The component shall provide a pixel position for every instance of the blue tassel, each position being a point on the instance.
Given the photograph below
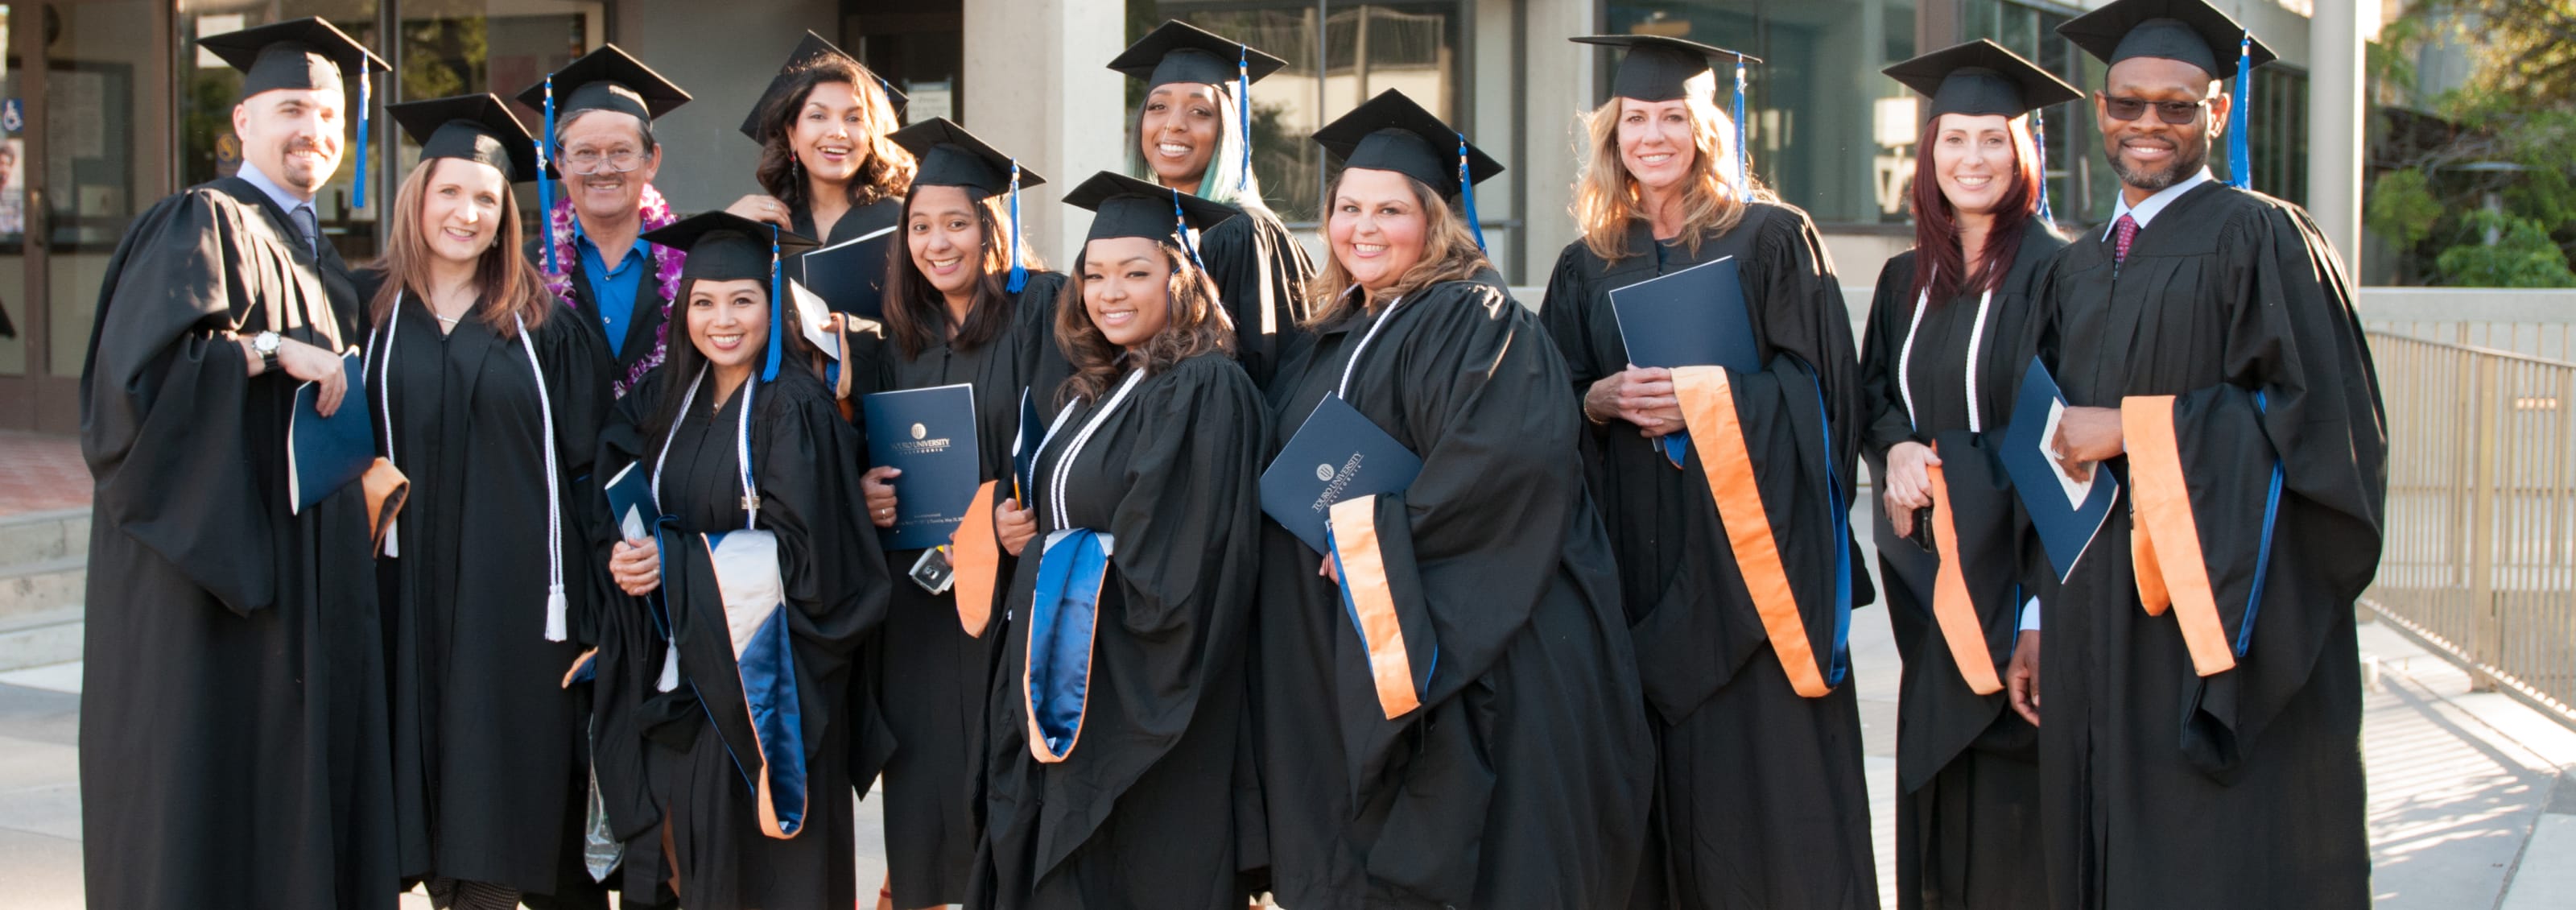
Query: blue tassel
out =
(2240, 152)
(358, 195)
(546, 184)
(1019, 269)
(1243, 111)
(2039, 151)
(777, 310)
(1181, 229)
(1467, 192)
(1743, 171)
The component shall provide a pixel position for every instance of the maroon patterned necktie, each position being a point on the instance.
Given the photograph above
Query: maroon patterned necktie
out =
(2122, 231)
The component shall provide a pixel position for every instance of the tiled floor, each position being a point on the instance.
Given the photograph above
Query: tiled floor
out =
(40, 472)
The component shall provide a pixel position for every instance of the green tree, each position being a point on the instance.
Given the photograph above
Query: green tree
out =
(2508, 134)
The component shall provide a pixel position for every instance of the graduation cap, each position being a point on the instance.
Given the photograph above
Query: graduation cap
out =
(606, 79)
(723, 246)
(302, 54)
(2191, 31)
(810, 51)
(1391, 133)
(1124, 206)
(1982, 77)
(1661, 69)
(477, 128)
(1177, 51)
(951, 156)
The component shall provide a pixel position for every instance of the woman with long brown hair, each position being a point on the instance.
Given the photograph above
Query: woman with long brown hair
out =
(1953, 324)
(1110, 762)
(829, 168)
(769, 584)
(489, 396)
(1725, 495)
(966, 302)
(1448, 700)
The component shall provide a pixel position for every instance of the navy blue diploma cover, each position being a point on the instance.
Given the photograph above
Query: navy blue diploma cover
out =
(2067, 514)
(1693, 317)
(630, 502)
(324, 454)
(1338, 453)
(929, 435)
(850, 276)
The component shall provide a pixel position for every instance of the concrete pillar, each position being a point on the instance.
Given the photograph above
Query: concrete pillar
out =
(1037, 85)
(1561, 85)
(2336, 92)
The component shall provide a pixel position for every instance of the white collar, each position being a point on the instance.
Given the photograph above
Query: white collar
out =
(2145, 211)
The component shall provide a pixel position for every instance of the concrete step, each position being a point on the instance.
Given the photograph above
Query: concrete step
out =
(43, 585)
(40, 638)
(39, 536)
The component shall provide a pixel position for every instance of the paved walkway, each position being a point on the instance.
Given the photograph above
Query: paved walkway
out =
(2472, 795)
(39, 472)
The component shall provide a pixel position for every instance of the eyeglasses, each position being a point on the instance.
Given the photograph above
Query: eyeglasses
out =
(592, 161)
(2174, 112)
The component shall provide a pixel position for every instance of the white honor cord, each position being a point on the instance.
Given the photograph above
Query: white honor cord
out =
(385, 410)
(1343, 391)
(556, 623)
(1905, 357)
(1072, 450)
(741, 445)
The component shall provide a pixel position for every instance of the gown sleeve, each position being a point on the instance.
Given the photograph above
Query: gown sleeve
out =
(1882, 401)
(835, 577)
(576, 371)
(1260, 272)
(1439, 577)
(1566, 310)
(164, 397)
(2261, 497)
(628, 637)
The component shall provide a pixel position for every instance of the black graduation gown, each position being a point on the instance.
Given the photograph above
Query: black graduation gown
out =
(1523, 777)
(643, 325)
(1967, 810)
(491, 768)
(934, 675)
(1781, 820)
(1260, 272)
(698, 779)
(1137, 815)
(233, 732)
(2247, 780)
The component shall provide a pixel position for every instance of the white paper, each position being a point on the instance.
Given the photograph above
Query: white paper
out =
(2076, 490)
(816, 317)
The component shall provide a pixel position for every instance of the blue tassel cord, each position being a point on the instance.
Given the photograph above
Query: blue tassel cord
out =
(1019, 269)
(545, 182)
(1243, 111)
(358, 194)
(1467, 194)
(777, 309)
(2240, 152)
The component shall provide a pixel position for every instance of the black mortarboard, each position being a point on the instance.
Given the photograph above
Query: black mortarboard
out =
(2187, 30)
(1391, 133)
(1124, 206)
(605, 79)
(1981, 77)
(723, 246)
(1180, 52)
(1659, 68)
(305, 53)
(809, 51)
(473, 127)
(951, 156)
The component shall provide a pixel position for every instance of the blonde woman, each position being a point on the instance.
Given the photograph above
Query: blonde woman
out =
(1448, 702)
(1738, 613)
(489, 394)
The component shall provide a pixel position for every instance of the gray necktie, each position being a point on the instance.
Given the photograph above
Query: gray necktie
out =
(306, 222)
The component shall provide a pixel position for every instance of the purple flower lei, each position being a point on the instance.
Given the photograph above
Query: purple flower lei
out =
(666, 272)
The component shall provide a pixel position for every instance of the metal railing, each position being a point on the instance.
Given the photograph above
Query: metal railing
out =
(2479, 561)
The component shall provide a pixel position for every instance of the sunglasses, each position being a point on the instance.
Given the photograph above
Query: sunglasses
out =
(2174, 112)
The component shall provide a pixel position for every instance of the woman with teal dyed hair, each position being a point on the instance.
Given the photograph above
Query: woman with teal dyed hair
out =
(1192, 135)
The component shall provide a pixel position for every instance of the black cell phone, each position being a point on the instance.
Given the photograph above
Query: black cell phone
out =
(1922, 534)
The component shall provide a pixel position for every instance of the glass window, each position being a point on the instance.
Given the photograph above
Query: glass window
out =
(2073, 144)
(1826, 130)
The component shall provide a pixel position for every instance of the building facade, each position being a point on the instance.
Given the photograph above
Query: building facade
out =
(109, 106)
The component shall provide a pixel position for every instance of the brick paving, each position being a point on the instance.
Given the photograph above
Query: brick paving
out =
(41, 472)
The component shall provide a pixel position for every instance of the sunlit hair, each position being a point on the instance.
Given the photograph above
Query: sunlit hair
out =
(1449, 253)
(916, 314)
(1196, 325)
(1940, 266)
(1607, 198)
(681, 364)
(887, 172)
(505, 283)
(1224, 170)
